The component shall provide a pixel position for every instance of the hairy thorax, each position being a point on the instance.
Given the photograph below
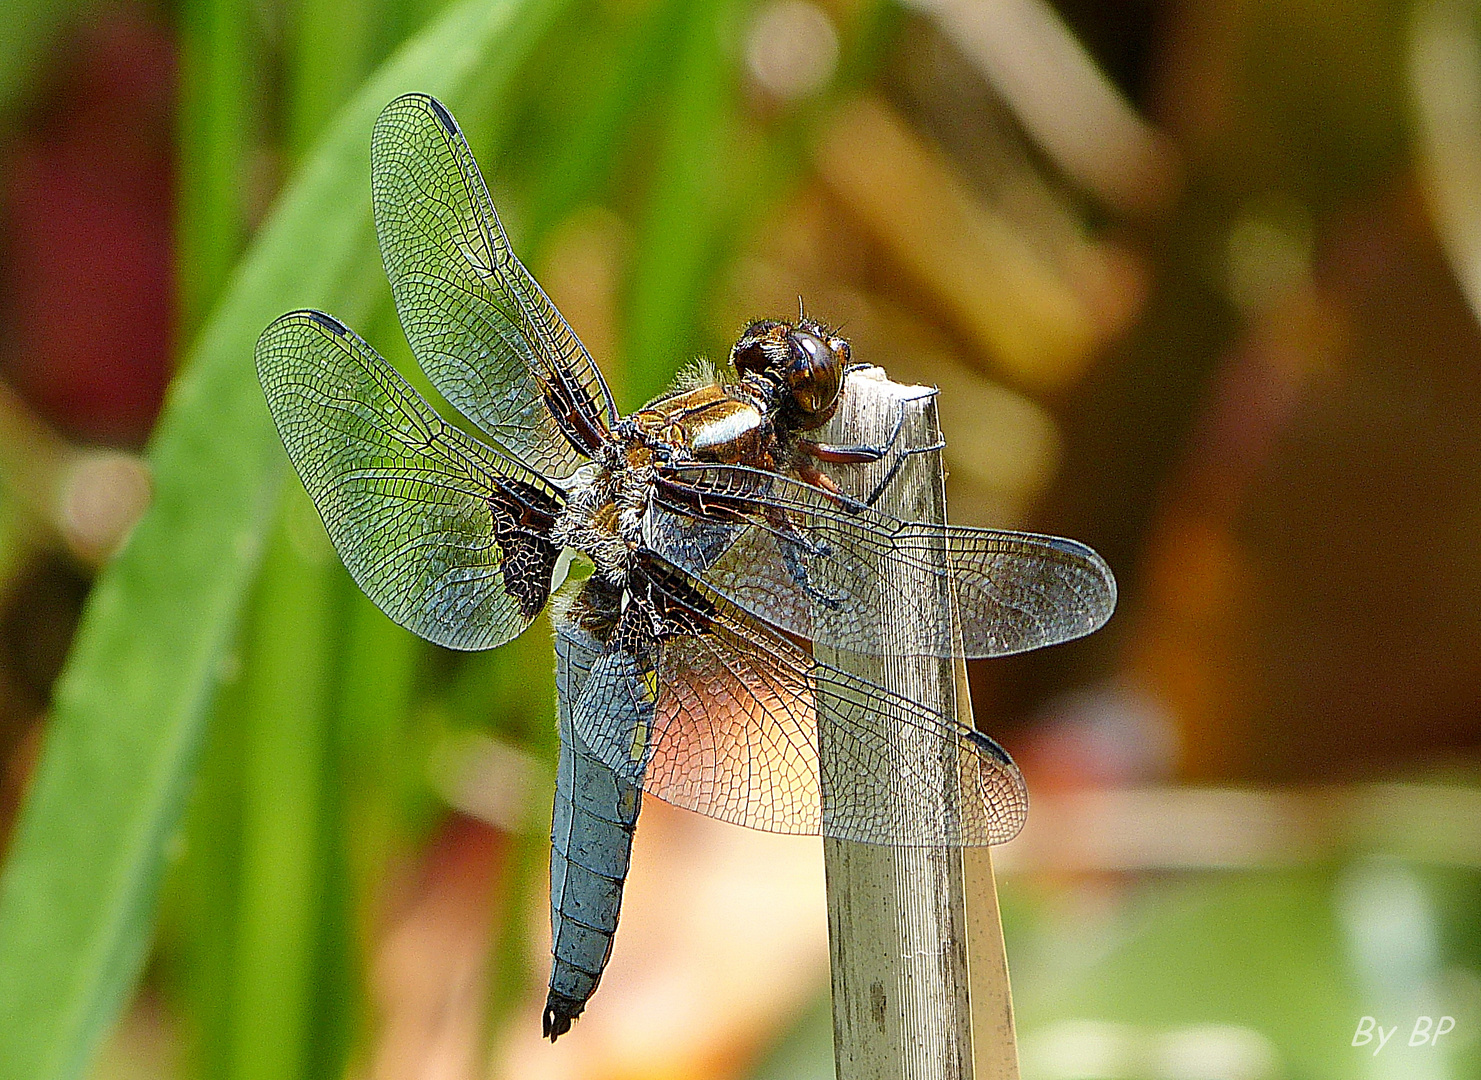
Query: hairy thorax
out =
(713, 422)
(609, 498)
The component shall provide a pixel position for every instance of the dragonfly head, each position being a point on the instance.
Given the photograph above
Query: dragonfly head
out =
(802, 363)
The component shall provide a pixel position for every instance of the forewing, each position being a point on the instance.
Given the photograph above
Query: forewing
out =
(447, 536)
(824, 566)
(734, 735)
(481, 327)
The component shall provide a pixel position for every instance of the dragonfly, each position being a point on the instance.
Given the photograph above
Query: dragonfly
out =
(718, 546)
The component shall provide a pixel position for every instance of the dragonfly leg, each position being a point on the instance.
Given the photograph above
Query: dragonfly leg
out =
(793, 547)
(862, 454)
(856, 454)
(900, 459)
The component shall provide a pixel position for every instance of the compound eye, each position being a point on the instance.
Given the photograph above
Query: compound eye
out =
(813, 374)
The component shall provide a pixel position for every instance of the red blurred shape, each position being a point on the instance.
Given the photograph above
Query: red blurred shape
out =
(86, 275)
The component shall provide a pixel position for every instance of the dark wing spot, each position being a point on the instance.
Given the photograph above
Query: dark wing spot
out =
(681, 608)
(334, 326)
(444, 117)
(523, 518)
(989, 747)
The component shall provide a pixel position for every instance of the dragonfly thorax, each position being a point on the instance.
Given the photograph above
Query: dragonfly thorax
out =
(603, 515)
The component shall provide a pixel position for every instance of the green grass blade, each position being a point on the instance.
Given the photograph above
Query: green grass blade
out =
(199, 928)
(676, 246)
(292, 645)
(622, 89)
(332, 40)
(215, 94)
(78, 894)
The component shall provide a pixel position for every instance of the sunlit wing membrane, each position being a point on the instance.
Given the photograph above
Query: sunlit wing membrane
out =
(447, 536)
(734, 735)
(482, 329)
(838, 572)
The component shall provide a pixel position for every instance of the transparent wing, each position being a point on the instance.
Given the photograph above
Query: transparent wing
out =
(824, 567)
(722, 716)
(482, 329)
(575, 653)
(447, 537)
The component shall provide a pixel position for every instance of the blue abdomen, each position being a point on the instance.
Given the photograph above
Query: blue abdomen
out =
(591, 833)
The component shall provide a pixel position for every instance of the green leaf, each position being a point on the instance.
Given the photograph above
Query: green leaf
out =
(676, 245)
(215, 100)
(78, 895)
(291, 647)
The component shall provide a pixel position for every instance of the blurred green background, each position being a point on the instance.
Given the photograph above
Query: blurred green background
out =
(1199, 282)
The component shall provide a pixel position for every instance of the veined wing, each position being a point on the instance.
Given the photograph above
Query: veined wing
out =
(482, 329)
(721, 716)
(576, 651)
(447, 536)
(833, 570)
